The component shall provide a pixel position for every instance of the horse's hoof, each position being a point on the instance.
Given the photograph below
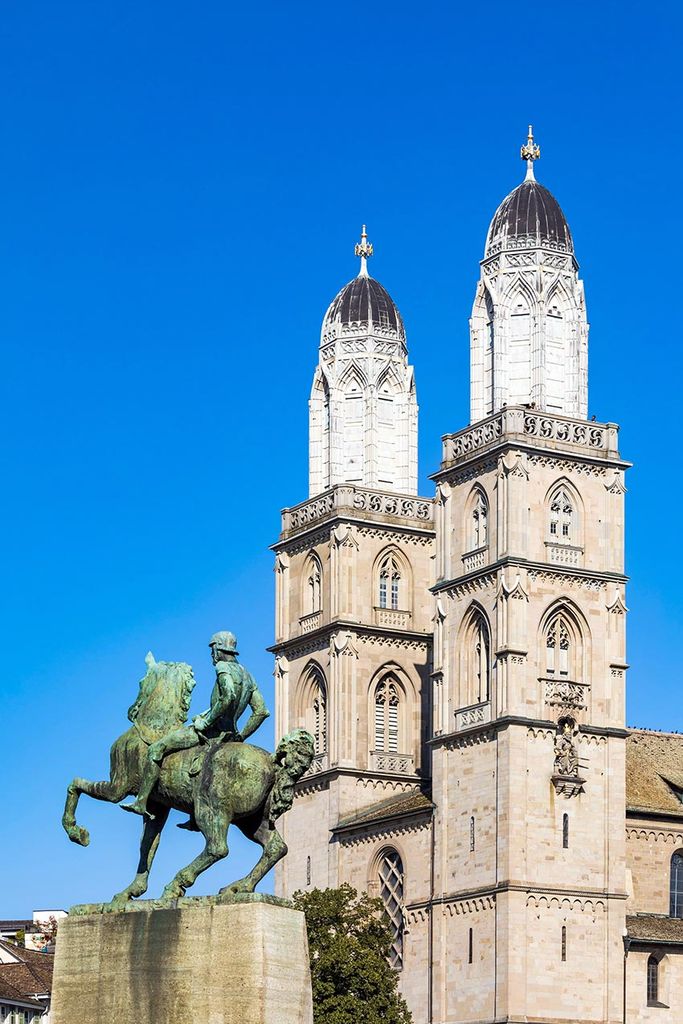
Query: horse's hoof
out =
(78, 835)
(172, 892)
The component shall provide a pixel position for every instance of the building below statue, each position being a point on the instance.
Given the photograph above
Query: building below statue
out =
(243, 961)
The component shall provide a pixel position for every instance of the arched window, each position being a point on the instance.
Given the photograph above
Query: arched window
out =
(313, 704)
(652, 980)
(676, 886)
(558, 647)
(387, 701)
(313, 584)
(478, 521)
(389, 582)
(562, 517)
(391, 885)
(478, 663)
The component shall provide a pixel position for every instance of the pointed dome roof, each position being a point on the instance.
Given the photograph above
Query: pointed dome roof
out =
(363, 305)
(530, 216)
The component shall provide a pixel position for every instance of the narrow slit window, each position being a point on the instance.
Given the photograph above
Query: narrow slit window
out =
(652, 980)
(565, 831)
(564, 943)
(471, 835)
(470, 947)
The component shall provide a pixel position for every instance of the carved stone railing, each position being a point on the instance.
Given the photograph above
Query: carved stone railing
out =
(478, 714)
(392, 617)
(318, 764)
(565, 693)
(362, 502)
(310, 622)
(398, 764)
(474, 560)
(522, 424)
(563, 554)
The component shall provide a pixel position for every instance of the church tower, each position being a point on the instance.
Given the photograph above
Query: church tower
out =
(529, 653)
(363, 409)
(528, 332)
(354, 613)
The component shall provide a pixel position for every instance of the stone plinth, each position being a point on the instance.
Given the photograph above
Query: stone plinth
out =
(233, 963)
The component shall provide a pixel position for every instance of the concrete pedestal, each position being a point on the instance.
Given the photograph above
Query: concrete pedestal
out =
(236, 963)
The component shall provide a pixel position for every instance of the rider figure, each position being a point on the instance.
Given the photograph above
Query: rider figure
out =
(235, 689)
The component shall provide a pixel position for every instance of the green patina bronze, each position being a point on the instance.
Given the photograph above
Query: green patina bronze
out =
(204, 769)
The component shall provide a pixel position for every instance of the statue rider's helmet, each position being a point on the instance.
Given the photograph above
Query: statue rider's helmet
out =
(224, 641)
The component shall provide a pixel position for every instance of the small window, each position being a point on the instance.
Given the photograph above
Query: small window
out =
(565, 831)
(308, 871)
(561, 517)
(389, 583)
(676, 886)
(471, 835)
(470, 947)
(564, 943)
(313, 585)
(652, 981)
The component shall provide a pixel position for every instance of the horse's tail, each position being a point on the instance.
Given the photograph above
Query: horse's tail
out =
(292, 758)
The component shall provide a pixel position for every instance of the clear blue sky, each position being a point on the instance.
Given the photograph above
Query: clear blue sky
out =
(181, 187)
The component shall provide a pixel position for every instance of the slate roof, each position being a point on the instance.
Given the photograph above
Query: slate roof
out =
(365, 301)
(394, 807)
(654, 773)
(654, 928)
(529, 216)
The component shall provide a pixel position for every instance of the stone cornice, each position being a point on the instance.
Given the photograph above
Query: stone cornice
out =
(505, 721)
(377, 634)
(515, 562)
(532, 890)
(409, 783)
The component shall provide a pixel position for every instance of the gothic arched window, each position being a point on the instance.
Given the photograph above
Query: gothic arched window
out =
(389, 582)
(387, 702)
(313, 585)
(313, 703)
(562, 517)
(558, 645)
(477, 650)
(676, 886)
(478, 520)
(391, 885)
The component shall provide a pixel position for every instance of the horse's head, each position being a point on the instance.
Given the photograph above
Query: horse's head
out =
(164, 697)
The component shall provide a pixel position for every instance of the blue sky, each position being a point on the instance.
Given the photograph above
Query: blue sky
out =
(181, 187)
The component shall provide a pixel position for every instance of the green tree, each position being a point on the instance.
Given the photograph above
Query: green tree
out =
(349, 942)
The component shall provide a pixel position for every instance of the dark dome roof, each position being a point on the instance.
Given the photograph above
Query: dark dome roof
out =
(530, 216)
(363, 303)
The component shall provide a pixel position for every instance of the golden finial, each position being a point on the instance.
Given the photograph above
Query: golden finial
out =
(364, 250)
(530, 152)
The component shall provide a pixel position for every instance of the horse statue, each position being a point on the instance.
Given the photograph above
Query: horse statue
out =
(217, 784)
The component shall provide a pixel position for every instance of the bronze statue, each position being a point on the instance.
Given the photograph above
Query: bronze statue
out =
(205, 770)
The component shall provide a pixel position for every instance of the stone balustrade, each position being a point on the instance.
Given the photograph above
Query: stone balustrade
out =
(359, 502)
(564, 554)
(521, 423)
(397, 764)
(392, 617)
(474, 560)
(310, 622)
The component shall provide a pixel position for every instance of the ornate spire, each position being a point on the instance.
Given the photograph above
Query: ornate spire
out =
(530, 152)
(364, 250)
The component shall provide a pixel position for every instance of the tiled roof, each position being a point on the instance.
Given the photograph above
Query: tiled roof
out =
(654, 928)
(394, 807)
(10, 994)
(30, 976)
(654, 772)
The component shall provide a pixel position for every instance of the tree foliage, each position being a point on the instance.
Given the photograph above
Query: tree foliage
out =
(349, 942)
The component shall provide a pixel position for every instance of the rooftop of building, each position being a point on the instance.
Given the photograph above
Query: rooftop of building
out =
(24, 973)
(383, 810)
(654, 928)
(654, 772)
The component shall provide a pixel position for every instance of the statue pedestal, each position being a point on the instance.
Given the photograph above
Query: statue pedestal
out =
(243, 962)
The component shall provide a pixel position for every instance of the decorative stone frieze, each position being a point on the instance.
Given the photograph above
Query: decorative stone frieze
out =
(360, 502)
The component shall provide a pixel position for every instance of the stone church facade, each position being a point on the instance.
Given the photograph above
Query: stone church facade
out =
(460, 660)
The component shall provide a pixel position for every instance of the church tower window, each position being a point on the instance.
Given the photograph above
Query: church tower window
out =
(558, 647)
(676, 886)
(313, 577)
(565, 831)
(561, 517)
(313, 704)
(477, 651)
(564, 943)
(391, 885)
(389, 583)
(478, 520)
(387, 703)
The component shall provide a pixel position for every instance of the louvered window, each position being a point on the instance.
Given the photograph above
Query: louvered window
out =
(387, 716)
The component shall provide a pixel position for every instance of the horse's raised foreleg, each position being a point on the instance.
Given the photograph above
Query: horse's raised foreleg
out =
(151, 834)
(111, 791)
(215, 833)
(273, 846)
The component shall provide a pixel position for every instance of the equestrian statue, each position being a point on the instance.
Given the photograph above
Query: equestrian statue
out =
(204, 769)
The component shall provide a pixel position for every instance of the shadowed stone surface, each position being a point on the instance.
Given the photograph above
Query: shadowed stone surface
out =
(243, 962)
